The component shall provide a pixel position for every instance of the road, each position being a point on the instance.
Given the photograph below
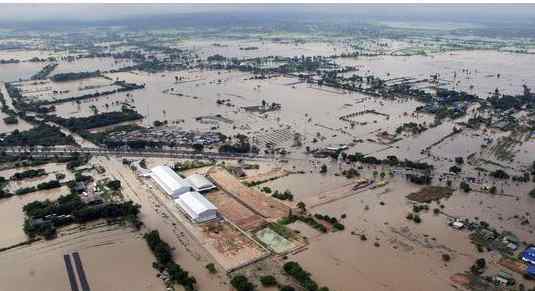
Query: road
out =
(67, 151)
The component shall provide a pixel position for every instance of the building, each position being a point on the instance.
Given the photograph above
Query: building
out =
(196, 207)
(528, 255)
(200, 183)
(169, 181)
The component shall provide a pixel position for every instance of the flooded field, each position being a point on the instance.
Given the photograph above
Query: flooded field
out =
(107, 254)
(479, 72)
(13, 216)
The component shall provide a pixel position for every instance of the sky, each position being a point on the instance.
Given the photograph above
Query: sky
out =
(98, 12)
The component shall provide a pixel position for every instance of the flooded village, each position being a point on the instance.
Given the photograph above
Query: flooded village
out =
(193, 157)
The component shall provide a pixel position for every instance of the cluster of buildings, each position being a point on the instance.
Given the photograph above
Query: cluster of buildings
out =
(166, 135)
(186, 193)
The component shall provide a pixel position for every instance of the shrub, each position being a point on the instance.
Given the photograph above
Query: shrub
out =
(532, 194)
(465, 186)
(339, 226)
(268, 281)
(446, 257)
(241, 283)
(266, 189)
(211, 268)
(455, 169)
(114, 185)
(499, 174)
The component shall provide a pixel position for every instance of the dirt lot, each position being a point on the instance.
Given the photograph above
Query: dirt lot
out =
(234, 211)
(256, 201)
(230, 247)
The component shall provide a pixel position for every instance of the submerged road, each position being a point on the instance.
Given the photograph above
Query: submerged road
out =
(81, 272)
(70, 273)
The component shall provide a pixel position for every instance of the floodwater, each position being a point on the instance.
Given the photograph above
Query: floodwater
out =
(12, 216)
(238, 48)
(480, 69)
(409, 255)
(113, 259)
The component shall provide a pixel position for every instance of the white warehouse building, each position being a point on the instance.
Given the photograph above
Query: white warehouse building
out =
(174, 185)
(185, 193)
(196, 207)
(169, 181)
(200, 183)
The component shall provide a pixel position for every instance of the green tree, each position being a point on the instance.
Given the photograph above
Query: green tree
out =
(241, 283)
(268, 281)
(532, 193)
(465, 186)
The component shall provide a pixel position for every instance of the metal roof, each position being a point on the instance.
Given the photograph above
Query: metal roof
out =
(195, 205)
(168, 179)
(529, 255)
(200, 182)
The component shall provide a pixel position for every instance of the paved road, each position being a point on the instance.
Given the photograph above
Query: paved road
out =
(66, 151)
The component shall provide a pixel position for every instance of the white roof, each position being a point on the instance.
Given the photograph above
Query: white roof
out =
(168, 179)
(195, 205)
(200, 182)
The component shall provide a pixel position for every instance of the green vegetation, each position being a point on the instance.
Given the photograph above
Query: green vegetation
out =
(412, 127)
(332, 220)
(499, 174)
(114, 185)
(63, 77)
(11, 114)
(455, 169)
(164, 261)
(465, 186)
(31, 173)
(43, 217)
(44, 135)
(41, 186)
(3, 184)
(351, 173)
(211, 268)
(414, 217)
(303, 277)
(268, 281)
(79, 124)
(241, 283)
(390, 160)
(44, 72)
(241, 146)
(193, 164)
(286, 195)
(532, 193)
(11, 120)
(419, 179)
